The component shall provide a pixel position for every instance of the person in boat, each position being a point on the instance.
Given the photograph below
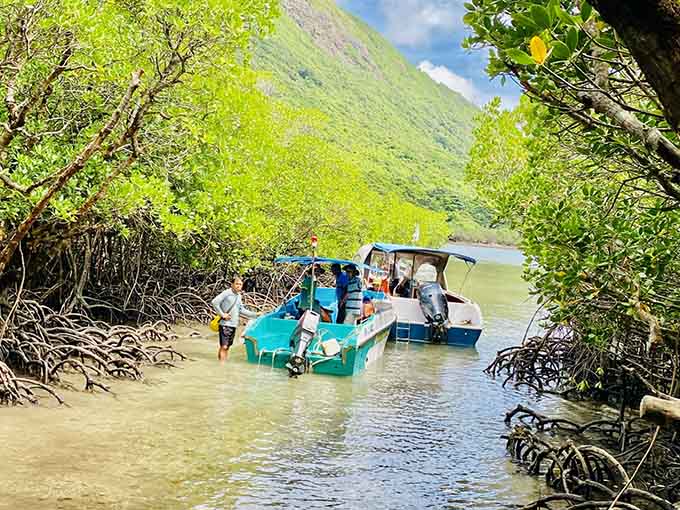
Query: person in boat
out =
(341, 280)
(304, 300)
(404, 286)
(384, 286)
(379, 284)
(355, 294)
(229, 306)
(367, 308)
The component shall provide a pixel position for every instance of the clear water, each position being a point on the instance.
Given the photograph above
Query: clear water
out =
(418, 430)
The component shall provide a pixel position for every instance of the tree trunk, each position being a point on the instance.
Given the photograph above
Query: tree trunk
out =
(651, 31)
(660, 410)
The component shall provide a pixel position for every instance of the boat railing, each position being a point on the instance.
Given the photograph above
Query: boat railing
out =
(273, 352)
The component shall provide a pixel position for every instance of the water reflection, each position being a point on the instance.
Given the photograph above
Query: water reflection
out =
(420, 429)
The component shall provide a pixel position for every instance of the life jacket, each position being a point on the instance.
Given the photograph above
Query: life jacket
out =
(354, 296)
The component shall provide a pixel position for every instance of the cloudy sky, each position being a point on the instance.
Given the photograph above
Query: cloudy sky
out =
(429, 33)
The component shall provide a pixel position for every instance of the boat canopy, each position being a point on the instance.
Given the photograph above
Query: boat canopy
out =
(306, 261)
(392, 248)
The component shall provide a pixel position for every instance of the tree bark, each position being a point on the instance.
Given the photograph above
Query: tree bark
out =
(653, 139)
(651, 31)
(660, 410)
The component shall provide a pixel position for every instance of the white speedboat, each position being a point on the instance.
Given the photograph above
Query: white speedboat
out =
(427, 311)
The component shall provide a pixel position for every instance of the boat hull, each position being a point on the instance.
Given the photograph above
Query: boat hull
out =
(421, 333)
(267, 344)
(464, 328)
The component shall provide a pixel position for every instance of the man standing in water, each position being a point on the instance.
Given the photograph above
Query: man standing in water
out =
(341, 280)
(229, 306)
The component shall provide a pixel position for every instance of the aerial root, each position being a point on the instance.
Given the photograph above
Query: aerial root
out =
(41, 346)
(589, 476)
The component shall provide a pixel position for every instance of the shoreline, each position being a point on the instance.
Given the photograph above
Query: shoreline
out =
(482, 244)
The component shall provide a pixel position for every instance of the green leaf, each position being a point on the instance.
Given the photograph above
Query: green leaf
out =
(565, 16)
(522, 21)
(560, 51)
(572, 38)
(586, 11)
(540, 16)
(520, 57)
(553, 7)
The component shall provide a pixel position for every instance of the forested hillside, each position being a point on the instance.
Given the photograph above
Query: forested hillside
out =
(406, 132)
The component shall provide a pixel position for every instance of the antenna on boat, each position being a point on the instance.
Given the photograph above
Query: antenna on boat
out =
(470, 266)
(315, 243)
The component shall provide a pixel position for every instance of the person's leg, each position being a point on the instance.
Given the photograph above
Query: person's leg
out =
(223, 352)
(227, 341)
(340, 318)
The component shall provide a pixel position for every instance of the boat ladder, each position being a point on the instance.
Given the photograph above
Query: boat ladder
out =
(400, 331)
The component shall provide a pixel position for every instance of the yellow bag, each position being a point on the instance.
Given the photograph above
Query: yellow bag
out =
(215, 323)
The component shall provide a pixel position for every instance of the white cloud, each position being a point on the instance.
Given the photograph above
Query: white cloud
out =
(466, 87)
(444, 75)
(413, 22)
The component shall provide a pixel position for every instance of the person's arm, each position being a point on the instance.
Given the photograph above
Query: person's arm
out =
(218, 303)
(248, 313)
(343, 284)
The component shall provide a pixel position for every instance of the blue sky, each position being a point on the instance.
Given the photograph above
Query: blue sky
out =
(429, 33)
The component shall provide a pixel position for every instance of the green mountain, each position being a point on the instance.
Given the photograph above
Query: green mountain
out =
(407, 132)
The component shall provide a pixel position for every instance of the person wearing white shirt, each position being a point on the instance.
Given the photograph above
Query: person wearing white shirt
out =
(229, 306)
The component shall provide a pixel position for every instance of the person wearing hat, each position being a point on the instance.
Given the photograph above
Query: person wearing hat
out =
(354, 301)
(341, 280)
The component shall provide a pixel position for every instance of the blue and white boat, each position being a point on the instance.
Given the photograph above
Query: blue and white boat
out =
(427, 311)
(302, 336)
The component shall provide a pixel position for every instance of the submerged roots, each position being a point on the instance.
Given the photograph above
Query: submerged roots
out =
(39, 348)
(592, 476)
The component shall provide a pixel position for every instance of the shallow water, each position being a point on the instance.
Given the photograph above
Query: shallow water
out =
(418, 430)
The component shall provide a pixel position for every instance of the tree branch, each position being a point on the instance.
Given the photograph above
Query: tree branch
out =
(69, 171)
(39, 94)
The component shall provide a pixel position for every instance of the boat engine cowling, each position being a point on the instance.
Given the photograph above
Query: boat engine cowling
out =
(435, 309)
(302, 336)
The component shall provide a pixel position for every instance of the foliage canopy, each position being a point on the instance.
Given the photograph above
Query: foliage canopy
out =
(145, 116)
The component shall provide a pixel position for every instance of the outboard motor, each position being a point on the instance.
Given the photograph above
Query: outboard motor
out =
(435, 309)
(302, 336)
